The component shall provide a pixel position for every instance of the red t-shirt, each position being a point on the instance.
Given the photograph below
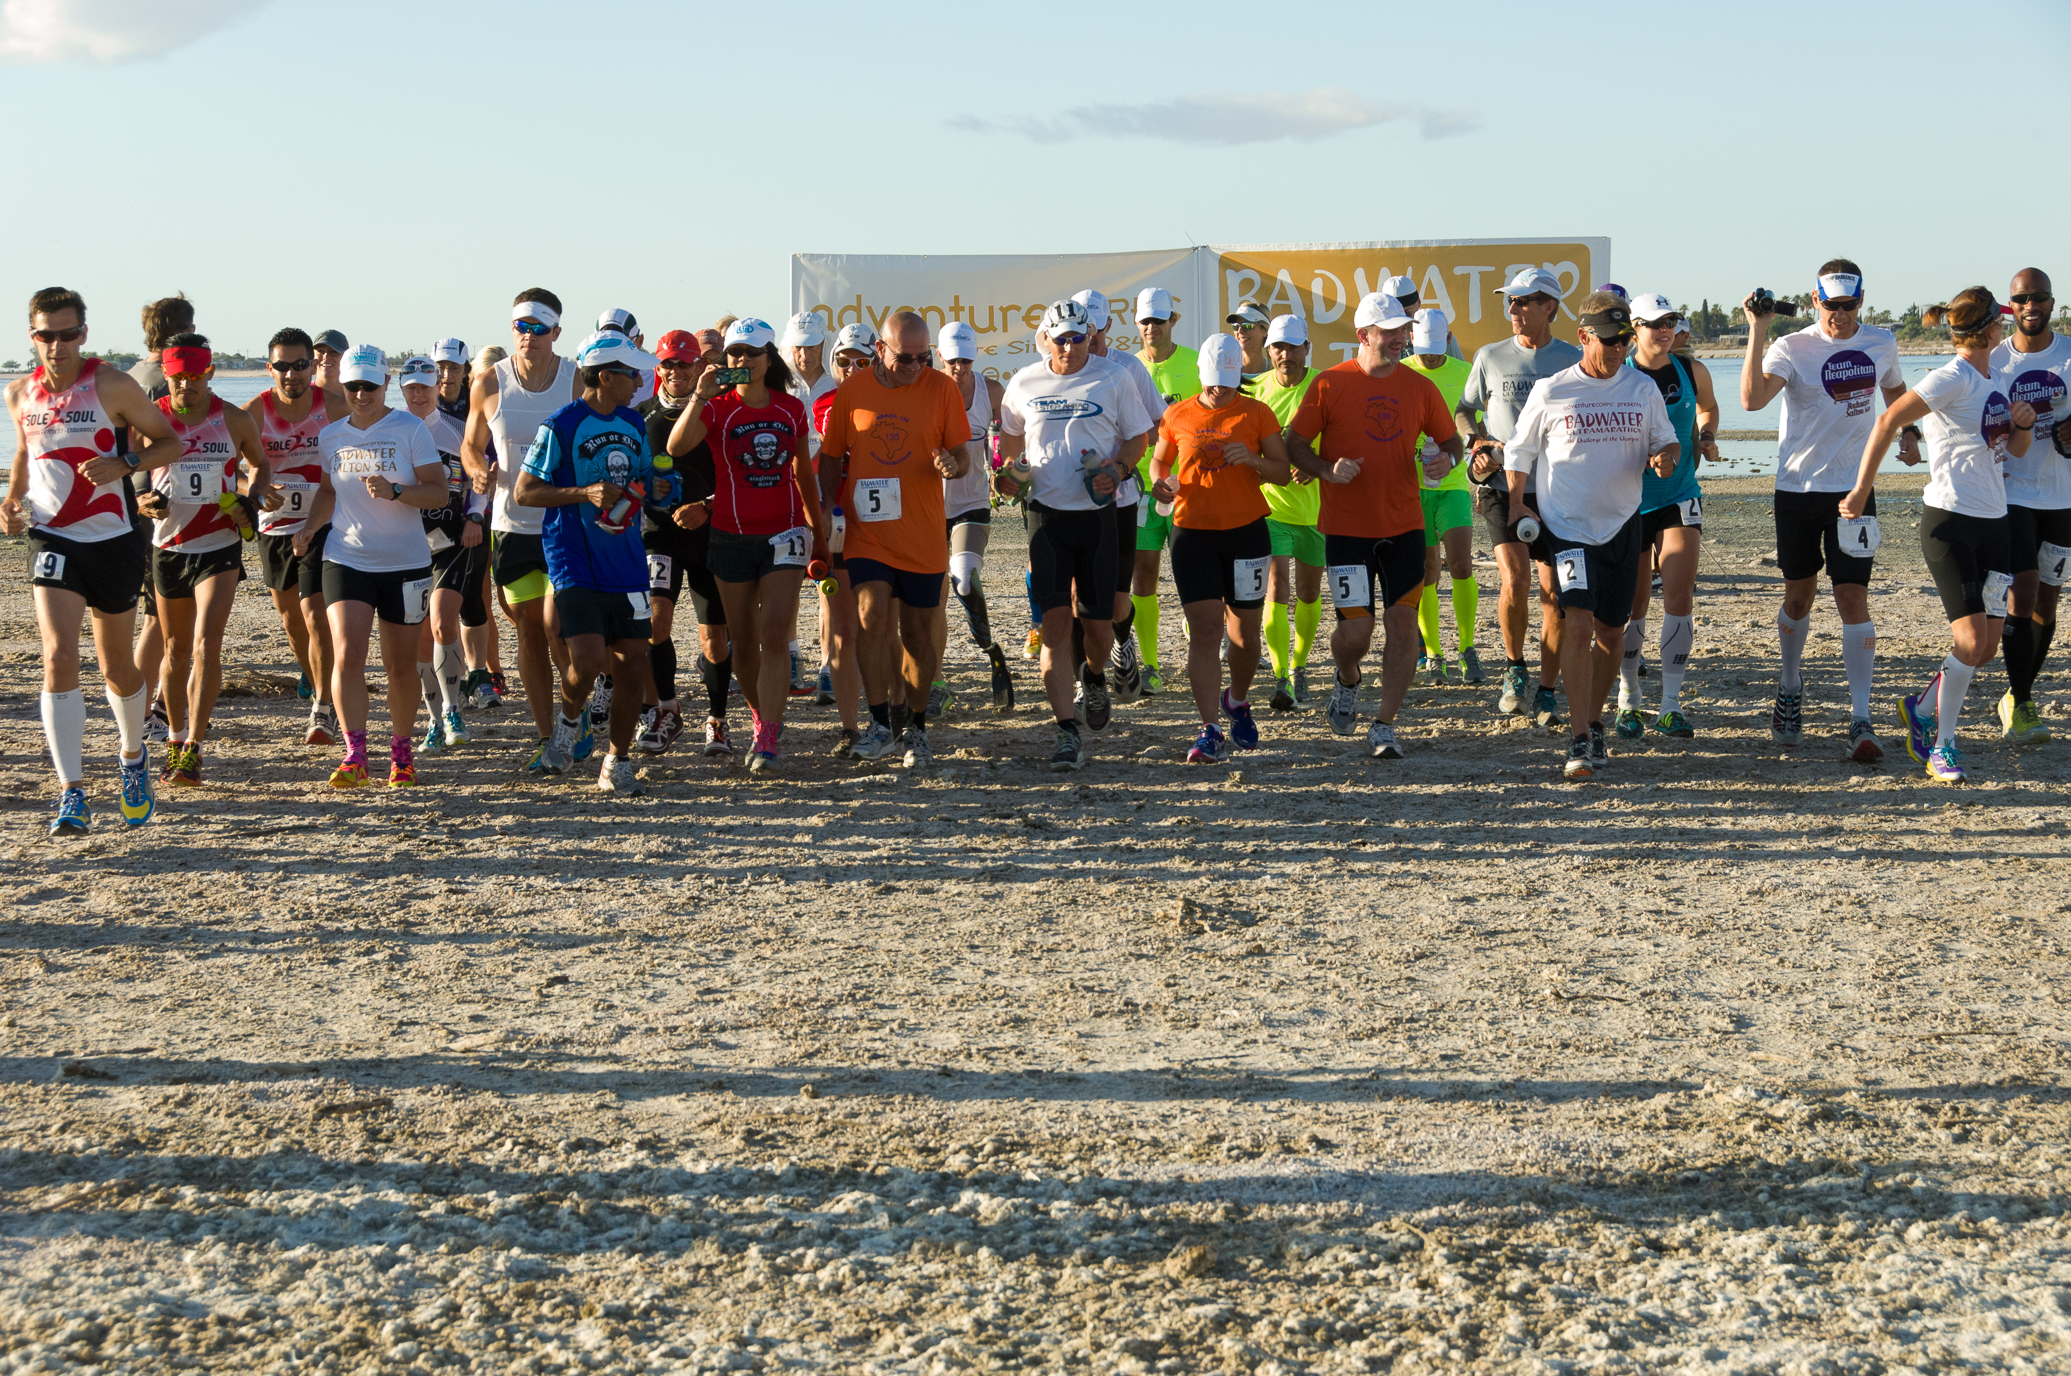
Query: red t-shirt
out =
(755, 488)
(1348, 414)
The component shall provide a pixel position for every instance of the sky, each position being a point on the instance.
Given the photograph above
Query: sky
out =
(400, 171)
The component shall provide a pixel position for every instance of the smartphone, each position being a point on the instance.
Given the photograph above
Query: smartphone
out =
(731, 377)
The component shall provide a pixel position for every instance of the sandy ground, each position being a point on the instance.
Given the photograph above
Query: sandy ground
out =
(1740, 1059)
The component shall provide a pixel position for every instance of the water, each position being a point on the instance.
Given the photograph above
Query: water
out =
(1757, 458)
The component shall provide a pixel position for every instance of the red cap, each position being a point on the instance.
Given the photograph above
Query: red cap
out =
(185, 358)
(678, 344)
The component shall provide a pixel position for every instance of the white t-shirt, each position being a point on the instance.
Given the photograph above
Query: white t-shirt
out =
(1966, 430)
(1059, 415)
(1583, 443)
(1830, 401)
(827, 383)
(1153, 404)
(373, 534)
(2040, 478)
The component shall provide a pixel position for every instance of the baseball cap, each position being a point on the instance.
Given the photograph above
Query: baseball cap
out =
(607, 347)
(364, 364)
(449, 350)
(750, 333)
(1839, 286)
(417, 370)
(1612, 287)
(1066, 317)
(1096, 307)
(1428, 337)
(1222, 361)
(804, 330)
(1651, 306)
(856, 339)
(678, 344)
(619, 320)
(1379, 308)
(1154, 303)
(1287, 329)
(1247, 313)
(1403, 289)
(957, 340)
(333, 340)
(1530, 281)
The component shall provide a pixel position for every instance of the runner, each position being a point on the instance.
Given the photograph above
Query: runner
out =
(1671, 520)
(677, 535)
(290, 415)
(1296, 573)
(581, 470)
(68, 489)
(855, 351)
(1501, 378)
(162, 319)
(197, 556)
(2034, 366)
(1071, 431)
(1972, 430)
(621, 321)
(1448, 509)
(459, 563)
(804, 343)
(1370, 416)
(1586, 434)
(510, 403)
(968, 501)
(381, 473)
(478, 642)
(1404, 290)
(897, 547)
(1176, 372)
(1213, 449)
(1249, 322)
(1829, 376)
(328, 349)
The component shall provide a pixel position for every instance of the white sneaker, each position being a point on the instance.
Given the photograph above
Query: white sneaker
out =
(617, 776)
(1344, 707)
(874, 742)
(1381, 738)
(918, 755)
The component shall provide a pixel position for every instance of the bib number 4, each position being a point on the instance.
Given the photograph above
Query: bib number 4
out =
(1859, 536)
(2052, 561)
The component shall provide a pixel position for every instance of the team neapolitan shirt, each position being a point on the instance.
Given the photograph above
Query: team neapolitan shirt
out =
(193, 484)
(369, 533)
(580, 446)
(1968, 423)
(754, 462)
(61, 431)
(1829, 403)
(2041, 478)
(292, 460)
(1586, 441)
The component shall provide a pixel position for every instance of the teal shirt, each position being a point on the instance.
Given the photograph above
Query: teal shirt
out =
(1679, 394)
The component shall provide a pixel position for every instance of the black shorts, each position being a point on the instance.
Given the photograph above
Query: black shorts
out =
(1675, 516)
(976, 516)
(733, 558)
(109, 574)
(1492, 506)
(2028, 529)
(1600, 579)
(515, 555)
(1355, 563)
(614, 615)
(916, 590)
(1125, 533)
(1807, 538)
(460, 568)
(675, 560)
(285, 572)
(177, 575)
(1073, 552)
(1968, 558)
(1222, 565)
(401, 598)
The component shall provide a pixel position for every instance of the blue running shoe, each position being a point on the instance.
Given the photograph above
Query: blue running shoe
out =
(74, 817)
(585, 741)
(1243, 729)
(433, 738)
(1945, 764)
(138, 799)
(303, 690)
(1920, 728)
(1208, 747)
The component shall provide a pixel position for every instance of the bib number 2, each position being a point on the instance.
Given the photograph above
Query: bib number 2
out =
(1571, 567)
(1859, 536)
(877, 499)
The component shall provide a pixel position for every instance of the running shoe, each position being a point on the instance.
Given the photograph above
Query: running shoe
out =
(456, 728)
(1945, 764)
(1097, 710)
(138, 799)
(1032, 646)
(494, 695)
(617, 776)
(1344, 707)
(1070, 753)
(918, 755)
(823, 686)
(1674, 723)
(1125, 670)
(156, 728)
(1424, 667)
(187, 773)
(1301, 687)
(557, 752)
(1599, 746)
(433, 738)
(1546, 708)
(475, 678)
(646, 738)
(1643, 659)
(1787, 718)
(845, 747)
(940, 700)
(1380, 739)
(350, 773)
(1920, 727)
(1153, 680)
(1578, 765)
(585, 741)
(600, 708)
(1863, 745)
(874, 742)
(1283, 696)
(498, 686)
(174, 751)
(1002, 681)
(304, 689)
(1209, 747)
(1243, 727)
(402, 766)
(74, 816)
(799, 687)
(1434, 670)
(2020, 723)
(1512, 701)
(716, 742)
(323, 726)
(1631, 725)
(1470, 667)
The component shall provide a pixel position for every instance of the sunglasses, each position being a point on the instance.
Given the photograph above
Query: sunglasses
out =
(1537, 298)
(185, 377)
(358, 387)
(615, 370)
(852, 361)
(741, 351)
(1842, 305)
(677, 363)
(926, 357)
(1667, 322)
(1245, 324)
(531, 327)
(2019, 298)
(290, 365)
(1615, 341)
(71, 336)
(1067, 339)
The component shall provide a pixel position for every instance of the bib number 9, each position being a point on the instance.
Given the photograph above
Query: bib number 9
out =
(1571, 567)
(1351, 585)
(877, 499)
(197, 481)
(50, 567)
(1859, 536)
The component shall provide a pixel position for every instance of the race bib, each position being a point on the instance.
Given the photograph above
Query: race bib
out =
(2051, 561)
(1571, 567)
(1997, 586)
(50, 567)
(438, 539)
(1692, 511)
(1351, 585)
(197, 480)
(794, 544)
(877, 499)
(416, 600)
(1248, 577)
(295, 500)
(366, 461)
(659, 567)
(1859, 535)
(643, 606)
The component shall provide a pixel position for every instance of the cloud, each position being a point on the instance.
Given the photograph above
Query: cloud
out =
(108, 32)
(1224, 120)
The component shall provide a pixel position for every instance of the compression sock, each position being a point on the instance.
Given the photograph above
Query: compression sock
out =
(1629, 666)
(428, 685)
(1078, 646)
(451, 662)
(1791, 636)
(1147, 638)
(2040, 638)
(1948, 698)
(1427, 622)
(661, 662)
(355, 747)
(1125, 623)
(2017, 643)
(716, 677)
(1035, 609)
(901, 717)
(64, 729)
(1466, 606)
(1859, 656)
(1276, 638)
(1307, 616)
(881, 713)
(1677, 634)
(129, 721)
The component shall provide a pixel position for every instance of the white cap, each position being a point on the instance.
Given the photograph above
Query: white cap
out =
(957, 340)
(750, 332)
(620, 321)
(417, 370)
(1531, 280)
(1096, 307)
(536, 310)
(804, 330)
(1651, 306)
(1222, 361)
(1379, 308)
(1401, 288)
(607, 347)
(449, 350)
(1431, 329)
(1248, 313)
(1287, 329)
(363, 363)
(1153, 303)
(1066, 317)
(855, 339)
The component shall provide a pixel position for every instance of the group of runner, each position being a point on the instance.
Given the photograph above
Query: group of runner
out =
(582, 496)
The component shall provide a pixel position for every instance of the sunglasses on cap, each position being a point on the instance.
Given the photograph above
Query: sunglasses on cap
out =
(2019, 298)
(290, 365)
(358, 387)
(531, 327)
(1067, 339)
(71, 336)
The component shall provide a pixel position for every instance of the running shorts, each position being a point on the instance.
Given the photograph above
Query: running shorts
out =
(177, 575)
(459, 568)
(2028, 529)
(1687, 515)
(1222, 565)
(401, 598)
(1353, 564)
(1303, 544)
(1153, 531)
(735, 558)
(1492, 505)
(1969, 559)
(676, 559)
(917, 590)
(977, 515)
(1072, 560)
(614, 615)
(1445, 509)
(1808, 538)
(518, 563)
(109, 574)
(281, 568)
(1599, 579)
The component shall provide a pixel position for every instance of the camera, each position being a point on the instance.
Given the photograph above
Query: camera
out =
(1765, 303)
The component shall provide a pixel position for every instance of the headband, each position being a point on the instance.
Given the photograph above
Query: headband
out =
(536, 310)
(1834, 285)
(186, 358)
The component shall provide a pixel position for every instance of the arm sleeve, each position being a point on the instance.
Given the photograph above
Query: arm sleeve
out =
(543, 455)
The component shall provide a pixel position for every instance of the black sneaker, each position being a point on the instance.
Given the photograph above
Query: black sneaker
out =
(1578, 765)
(1096, 705)
(1070, 753)
(1599, 746)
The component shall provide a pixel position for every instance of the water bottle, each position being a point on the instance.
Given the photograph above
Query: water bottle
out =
(667, 493)
(1527, 528)
(615, 520)
(837, 532)
(232, 509)
(992, 446)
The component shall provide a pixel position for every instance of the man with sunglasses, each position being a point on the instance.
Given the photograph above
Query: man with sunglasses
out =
(290, 414)
(71, 492)
(2034, 365)
(1587, 435)
(678, 536)
(855, 351)
(1829, 377)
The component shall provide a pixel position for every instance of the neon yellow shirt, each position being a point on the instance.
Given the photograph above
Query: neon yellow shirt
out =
(1291, 504)
(1450, 378)
(1178, 377)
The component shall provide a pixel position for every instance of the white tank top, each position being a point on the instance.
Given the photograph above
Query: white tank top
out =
(195, 483)
(293, 459)
(517, 419)
(973, 491)
(61, 431)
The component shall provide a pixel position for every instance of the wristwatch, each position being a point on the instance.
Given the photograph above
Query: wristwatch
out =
(478, 517)
(395, 492)
(1910, 429)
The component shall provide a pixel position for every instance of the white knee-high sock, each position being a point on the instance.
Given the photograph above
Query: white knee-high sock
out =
(1792, 635)
(451, 664)
(129, 719)
(1948, 698)
(1629, 667)
(1859, 654)
(1677, 635)
(428, 685)
(64, 730)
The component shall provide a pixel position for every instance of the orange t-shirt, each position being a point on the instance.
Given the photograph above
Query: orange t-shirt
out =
(1348, 414)
(891, 495)
(1215, 494)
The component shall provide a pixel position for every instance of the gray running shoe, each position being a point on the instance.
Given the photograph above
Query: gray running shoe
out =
(1301, 688)
(918, 755)
(1125, 670)
(1095, 709)
(939, 702)
(1382, 740)
(559, 751)
(1283, 696)
(1512, 701)
(1786, 719)
(1470, 667)
(1546, 708)
(1344, 707)
(1599, 746)
(600, 703)
(716, 742)
(1578, 765)
(617, 776)
(1070, 753)
(874, 742)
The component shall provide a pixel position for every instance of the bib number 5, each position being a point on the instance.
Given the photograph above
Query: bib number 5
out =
(1248, 579)
(877, 499)
(1351, 585)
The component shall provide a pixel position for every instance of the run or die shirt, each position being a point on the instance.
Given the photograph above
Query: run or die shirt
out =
(1500, 379)
(2040, 478)
(1829, 403)
(1214, 492)
(368, 533)
(579, 446)
(1968, 423)
(1063, 415)
(1587, 440)
(1450, 378)
(1383, 421)
(754, 462)
(1290, 503)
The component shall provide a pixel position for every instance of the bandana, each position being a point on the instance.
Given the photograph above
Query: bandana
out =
(185, 358)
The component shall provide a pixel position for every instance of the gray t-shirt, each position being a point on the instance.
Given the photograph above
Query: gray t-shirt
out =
(1501, 380)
